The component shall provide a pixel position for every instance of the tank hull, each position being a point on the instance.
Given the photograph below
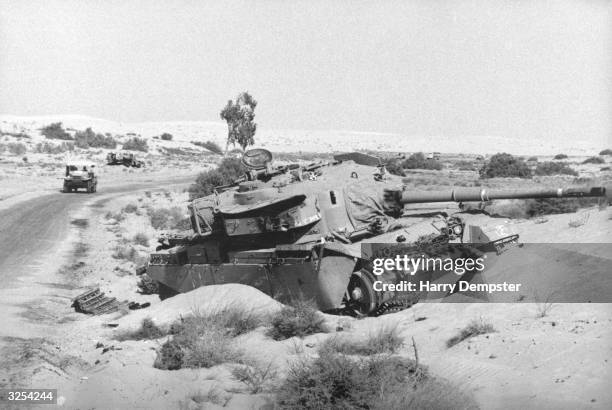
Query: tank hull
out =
(322, 280)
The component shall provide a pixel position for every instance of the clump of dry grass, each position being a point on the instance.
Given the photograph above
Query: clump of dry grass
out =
(206, 340)
(464, 165)
(141, 239)
(117, 216)
(127, 252)
(432, 393)
(300, 319)
(554, 168)
(474, 328)
(129, 209)
(594, 160)
(384, 340)
(335, 381)
(213, 395)
(148, 330)
(168, 218)
(256, 377)
(543, 306)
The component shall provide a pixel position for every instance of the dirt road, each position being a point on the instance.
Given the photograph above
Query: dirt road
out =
(35, 236)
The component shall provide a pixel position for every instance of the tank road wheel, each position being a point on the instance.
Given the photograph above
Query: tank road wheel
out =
(361, 299)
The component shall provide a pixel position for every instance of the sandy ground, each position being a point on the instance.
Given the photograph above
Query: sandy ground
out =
(561, 360)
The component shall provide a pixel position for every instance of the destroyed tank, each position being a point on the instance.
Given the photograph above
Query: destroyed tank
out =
(310, 232)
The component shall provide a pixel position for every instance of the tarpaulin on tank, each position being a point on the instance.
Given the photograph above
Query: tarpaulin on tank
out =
(365, 206)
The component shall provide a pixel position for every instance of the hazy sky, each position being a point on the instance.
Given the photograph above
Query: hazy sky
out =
(532, 69)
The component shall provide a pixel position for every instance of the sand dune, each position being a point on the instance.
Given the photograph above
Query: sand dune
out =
(312, 140)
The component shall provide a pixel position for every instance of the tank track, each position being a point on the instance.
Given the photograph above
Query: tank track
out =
(395, 305)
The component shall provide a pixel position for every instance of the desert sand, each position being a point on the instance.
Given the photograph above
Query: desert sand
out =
(560, 360)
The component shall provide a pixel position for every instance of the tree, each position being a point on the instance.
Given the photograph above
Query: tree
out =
(240, 117)
(504, 165)
(55, 131)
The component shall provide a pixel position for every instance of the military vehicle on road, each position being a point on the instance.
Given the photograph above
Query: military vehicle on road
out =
(123, 158)
(80, 175)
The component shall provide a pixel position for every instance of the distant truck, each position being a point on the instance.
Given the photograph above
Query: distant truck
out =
(123, 158)
(80, 175)
(434, 155)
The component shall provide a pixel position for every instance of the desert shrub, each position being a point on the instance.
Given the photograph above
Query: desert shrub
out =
(88, 138)
(136, 144)
(532, 159)
(431, 393)
(127, 252)
(171, 151)
(333, 381)
(213, 395)
(418, 161)
(554, 168)
(141, 239)
(148, 330)
(117, 216)
(384, 340)
(548, 206)
(55, 131)
(205, 340)
(463, 165)
(474, 328)
(607, 151)
(16, 148)
(594, 160)
(300, 319)
(560, 156)
(228, 170)
(505, 165)
(166, 137)
(168, 218)
(395, 167)
(147, 286)
(234, 321)
(604, 169)
(209, 145)
(207, 349)
(129, 209)
(49, 148)
(254, 376)
(18, 135)
(169, 356)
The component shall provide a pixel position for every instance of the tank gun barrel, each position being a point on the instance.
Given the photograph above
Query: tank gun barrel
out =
(484, 194)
